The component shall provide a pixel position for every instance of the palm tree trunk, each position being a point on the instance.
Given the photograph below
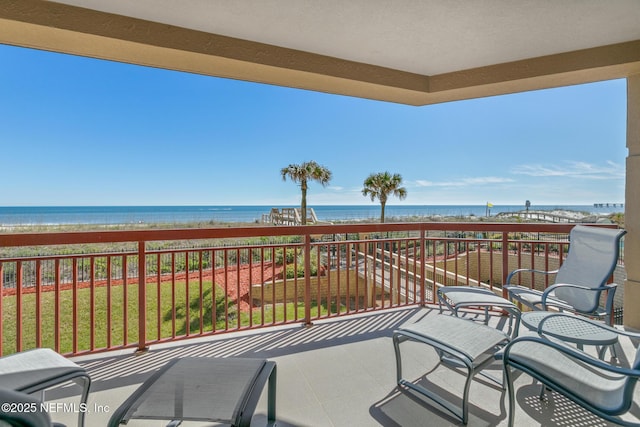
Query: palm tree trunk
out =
(382, 204)
(303, 202)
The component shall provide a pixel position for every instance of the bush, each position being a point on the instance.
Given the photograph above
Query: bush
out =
(290, 271)
(283, 256)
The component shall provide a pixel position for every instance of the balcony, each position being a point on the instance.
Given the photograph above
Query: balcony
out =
(321, 301)
(339, 372)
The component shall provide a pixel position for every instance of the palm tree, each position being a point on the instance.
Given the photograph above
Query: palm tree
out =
(381, 185)
(303, 173)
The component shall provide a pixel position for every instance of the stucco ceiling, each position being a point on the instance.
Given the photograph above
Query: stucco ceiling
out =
(412, 51)
(420, 36)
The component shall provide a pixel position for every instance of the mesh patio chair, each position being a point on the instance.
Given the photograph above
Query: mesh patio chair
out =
(582, 278)
(39, 369)
(23, 411)
(602, 388)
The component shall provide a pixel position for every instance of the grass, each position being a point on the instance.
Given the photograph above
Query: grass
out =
(109, 325)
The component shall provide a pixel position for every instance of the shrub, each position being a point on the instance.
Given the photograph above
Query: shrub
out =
(290, 271)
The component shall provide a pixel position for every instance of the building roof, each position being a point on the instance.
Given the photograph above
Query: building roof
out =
(415, 52)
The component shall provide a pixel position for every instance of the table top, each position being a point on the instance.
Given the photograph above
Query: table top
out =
(570, 328)
(195, 389)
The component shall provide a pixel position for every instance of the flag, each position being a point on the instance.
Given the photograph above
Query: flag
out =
(489, 205)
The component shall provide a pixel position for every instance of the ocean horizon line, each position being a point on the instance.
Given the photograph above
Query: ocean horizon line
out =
(532, 207)
(176, 214)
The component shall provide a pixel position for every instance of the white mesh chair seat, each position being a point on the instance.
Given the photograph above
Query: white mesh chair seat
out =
(202, 389)
(31, 418)
(36, 370)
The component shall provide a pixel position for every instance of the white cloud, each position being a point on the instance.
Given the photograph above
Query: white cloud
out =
(573, 169)
(464, 182)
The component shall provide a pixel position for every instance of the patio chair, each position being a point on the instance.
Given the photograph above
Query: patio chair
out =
(39, 369)
(602, 388)
(582, 278)
(24, 410)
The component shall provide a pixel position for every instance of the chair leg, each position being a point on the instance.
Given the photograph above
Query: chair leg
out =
(465, 396)
(460, 413)
(85, 382)
(509, 383)
(396, 347)
(271, 398)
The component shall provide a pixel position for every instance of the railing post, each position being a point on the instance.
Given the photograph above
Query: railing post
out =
(505, 261)
(142, 297)
(1, 305)
(307, 280)
(423, 256)
(74, 303)
(39, 303)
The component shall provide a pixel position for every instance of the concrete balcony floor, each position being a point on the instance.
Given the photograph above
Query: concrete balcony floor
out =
(338, 372)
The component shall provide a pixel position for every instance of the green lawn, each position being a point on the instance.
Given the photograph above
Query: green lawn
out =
(118, 314)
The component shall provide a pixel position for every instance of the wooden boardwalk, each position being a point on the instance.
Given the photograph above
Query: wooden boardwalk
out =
(289, 216)
(544, 216)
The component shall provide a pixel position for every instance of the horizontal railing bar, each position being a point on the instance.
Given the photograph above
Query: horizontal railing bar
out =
(254, 277)
(120, 236)
(69, 256)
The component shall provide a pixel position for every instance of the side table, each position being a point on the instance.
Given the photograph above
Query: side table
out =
(570, 328)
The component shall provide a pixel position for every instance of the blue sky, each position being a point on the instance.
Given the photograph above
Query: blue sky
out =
(79, 131)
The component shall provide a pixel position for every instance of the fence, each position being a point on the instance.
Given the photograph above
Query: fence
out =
(165, 285)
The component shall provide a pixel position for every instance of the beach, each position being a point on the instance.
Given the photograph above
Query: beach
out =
(136, 216)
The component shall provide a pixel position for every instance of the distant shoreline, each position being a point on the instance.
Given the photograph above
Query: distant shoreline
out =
(220, 215)
(526, 216)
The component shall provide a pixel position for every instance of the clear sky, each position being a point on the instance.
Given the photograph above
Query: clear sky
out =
(80, 131)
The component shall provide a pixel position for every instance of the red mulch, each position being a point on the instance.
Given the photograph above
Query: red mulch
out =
(236, 289)
(247, 276)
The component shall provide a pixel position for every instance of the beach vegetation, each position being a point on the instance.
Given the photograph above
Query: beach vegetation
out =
(382, 185)
(302, 174)
(617, 218)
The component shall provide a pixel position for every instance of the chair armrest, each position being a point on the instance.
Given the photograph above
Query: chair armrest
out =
(527, 270)
(607, 287)
(573, 353)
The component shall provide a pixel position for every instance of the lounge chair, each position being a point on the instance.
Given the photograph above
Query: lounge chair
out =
(601, 388)
(39, 369)
(582, 278)
(211, 389)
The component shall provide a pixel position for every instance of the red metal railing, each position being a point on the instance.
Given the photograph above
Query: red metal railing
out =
(130, 289)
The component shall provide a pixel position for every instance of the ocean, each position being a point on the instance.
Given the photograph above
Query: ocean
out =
(112, 215)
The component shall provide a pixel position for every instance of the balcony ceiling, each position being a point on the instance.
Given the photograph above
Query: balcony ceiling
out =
(414, 51)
